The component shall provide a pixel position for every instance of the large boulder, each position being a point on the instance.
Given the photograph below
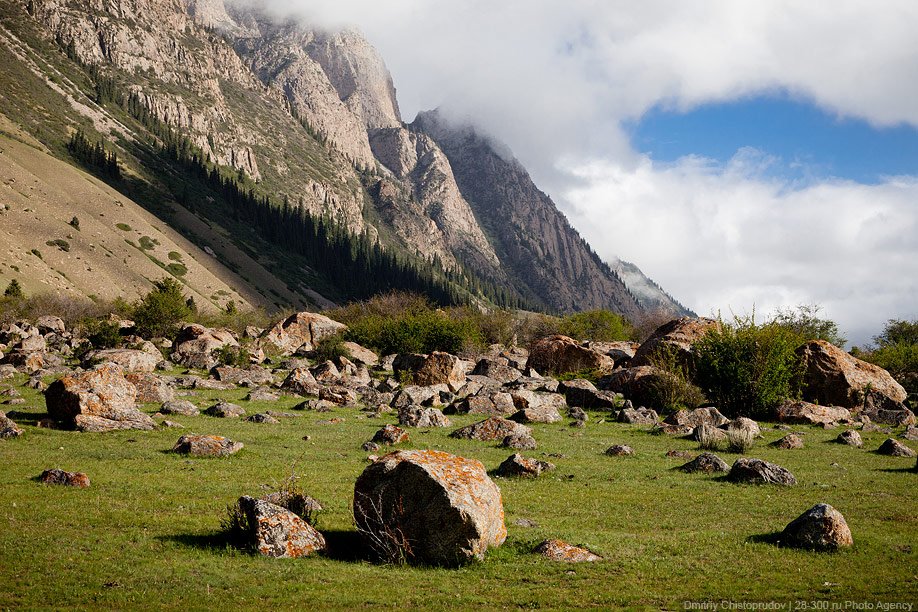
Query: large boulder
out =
(498, 369)
(98, 400)
(277, 532)
(833, 377)
(195, 345)
(130, 360)
(302, 382)
(677, 336)
(301, 332)
(801, 412)
(438, 368)
(360, 354)
(429, 507)
(560, 355)
(822, 527)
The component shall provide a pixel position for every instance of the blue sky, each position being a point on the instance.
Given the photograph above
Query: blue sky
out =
(810, 143)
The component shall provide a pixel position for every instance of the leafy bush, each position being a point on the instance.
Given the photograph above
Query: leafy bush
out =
(747, 369)
(597, 325)
(236, 357)
(896, 351)
(61, 244)
(330, 348)
(804, 322)
(161, 310)
(103, 334)
(13, 290)
(124, 227)
(672, 390)
(75, 223)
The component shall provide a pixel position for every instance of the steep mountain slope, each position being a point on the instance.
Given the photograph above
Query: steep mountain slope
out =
(282, 148)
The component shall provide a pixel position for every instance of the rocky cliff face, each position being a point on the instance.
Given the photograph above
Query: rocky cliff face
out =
(312, 117)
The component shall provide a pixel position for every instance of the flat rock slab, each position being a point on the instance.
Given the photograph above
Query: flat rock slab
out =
(428, 507)
(559, 550)
(756, 471)
(206, 446)
(57, 476)
(822, 527)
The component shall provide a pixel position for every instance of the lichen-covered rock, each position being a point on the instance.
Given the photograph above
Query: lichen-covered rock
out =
(8, 429)
(279, 533)
(822, 527)
(519, 441)
(708, 463)
(261, 417)
(493, 428)
(251, 376)
(389, 435)
(756, 471)
(338, 395)
(894, 448)
(518, 466)
(801, 412)
(225, 410)
(833, 377)
(559, 550)
(326, 372)
(538, 413)
(360, 354)
(301, 332)
(561, 354)
(497, 369)
(637, 416)
(195, 345)
(697, 418)
(438, 368)
(789, 442)
(150, 387)
(850, 437)
(98, 400)
(429, 507)
(678, 336)
(130, 360)
(183, 407)
(57, 476)
(206, 446)
(420, 416)
(302, 382)
(619, 450)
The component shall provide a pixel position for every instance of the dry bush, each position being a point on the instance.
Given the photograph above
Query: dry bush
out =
(384, 534)
(740, 440)
(649, 322)
(709, 437)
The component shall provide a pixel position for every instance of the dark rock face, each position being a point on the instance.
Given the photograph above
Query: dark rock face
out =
(98, 400)
(894, 448)
(559, 550)
(429, 507)
(279, 533)
(707, 463)
(56, 476)
(519, 441)
(822, 527)
(835, 378)
(206, 446)
(756, 471)
(584, 394)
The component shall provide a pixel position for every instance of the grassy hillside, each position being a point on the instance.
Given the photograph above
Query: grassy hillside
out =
(146, 533)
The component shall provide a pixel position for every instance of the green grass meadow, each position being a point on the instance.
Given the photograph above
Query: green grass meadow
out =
(146, 534)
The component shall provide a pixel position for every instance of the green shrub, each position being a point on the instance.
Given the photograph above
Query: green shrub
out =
(103, 334)
(147, 243)
(896, 351)
(13, 290)
(75, 223)
(124, 227)
(672, 389)
(330, 348)
(161, 310)
(232, 356)
(61, 244)
(806, 325)
(747, 369)
(597, 325)
(175, 256)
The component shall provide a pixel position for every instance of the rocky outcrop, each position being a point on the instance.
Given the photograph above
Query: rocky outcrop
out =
(429, 507)
(98, 400)
(560, 355)
(674, 339)
(150, 387)
(130, 360)
(822, 527)
(301, 332)
(811, 414)
(833, 377)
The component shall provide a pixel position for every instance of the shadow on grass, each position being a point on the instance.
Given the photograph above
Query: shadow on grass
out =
(342, 545)
(773, 538)
(26, 418)
(899, 470)
(214, 541)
